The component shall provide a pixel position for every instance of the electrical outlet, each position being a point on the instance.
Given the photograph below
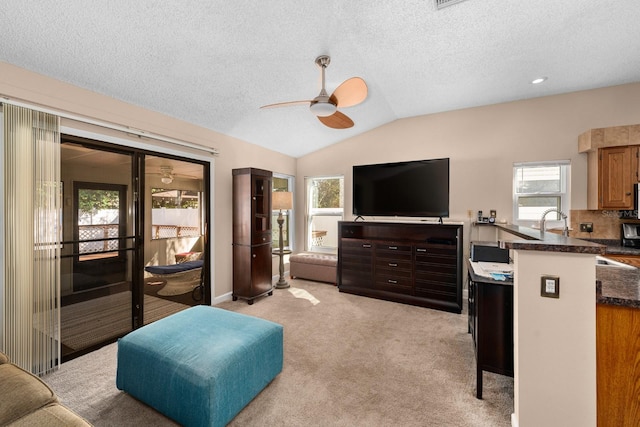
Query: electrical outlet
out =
(550, 286)
(586, 227)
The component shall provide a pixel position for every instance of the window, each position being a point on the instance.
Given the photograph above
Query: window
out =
(101, 220)
(175, 213)
(325, 207)
(538, 187)
(282, 183)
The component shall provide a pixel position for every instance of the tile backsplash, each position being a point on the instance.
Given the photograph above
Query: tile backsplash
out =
(606, 224)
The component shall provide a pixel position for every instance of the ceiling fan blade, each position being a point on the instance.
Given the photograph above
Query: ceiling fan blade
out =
(336, 121)
(351, 92)
(286, 104)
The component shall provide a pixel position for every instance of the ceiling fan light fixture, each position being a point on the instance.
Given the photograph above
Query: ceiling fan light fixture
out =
(167, 176)
(322, 109)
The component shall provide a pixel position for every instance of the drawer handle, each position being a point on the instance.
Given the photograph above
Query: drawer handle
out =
(366, 245)
(393, 282)
(393, 248)
(392, 264)
(421, 250)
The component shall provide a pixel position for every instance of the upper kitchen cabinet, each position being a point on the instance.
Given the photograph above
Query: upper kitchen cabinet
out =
(613, 166)
(617, 172)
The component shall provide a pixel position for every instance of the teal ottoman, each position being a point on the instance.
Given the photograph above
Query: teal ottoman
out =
(200, 366)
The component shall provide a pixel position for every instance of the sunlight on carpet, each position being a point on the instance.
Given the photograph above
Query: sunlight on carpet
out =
(301, 293)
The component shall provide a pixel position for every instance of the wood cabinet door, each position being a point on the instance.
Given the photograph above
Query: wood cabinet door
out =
(615, 171)
(618, 367)
(260, 269)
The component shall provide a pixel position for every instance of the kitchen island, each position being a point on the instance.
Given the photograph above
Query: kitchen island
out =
(554, 327)
(613, 311)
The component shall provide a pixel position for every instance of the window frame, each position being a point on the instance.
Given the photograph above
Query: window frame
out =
(169, 188)
(99, 256)
(311, 212)
(564, 193)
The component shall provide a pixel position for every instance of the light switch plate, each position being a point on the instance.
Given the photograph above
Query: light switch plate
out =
(550, 286)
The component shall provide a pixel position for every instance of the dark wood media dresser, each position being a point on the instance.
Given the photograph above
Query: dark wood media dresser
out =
(412, 263)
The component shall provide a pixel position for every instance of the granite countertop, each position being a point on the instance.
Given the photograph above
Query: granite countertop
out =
(535, 240)
(614, 246)
(614, 285)
(618, 286)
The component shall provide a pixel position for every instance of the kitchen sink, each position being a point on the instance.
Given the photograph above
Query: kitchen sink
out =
(608, 262)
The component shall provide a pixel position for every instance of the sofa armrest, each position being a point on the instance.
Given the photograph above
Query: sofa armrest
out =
(22, 393)
(53, 415)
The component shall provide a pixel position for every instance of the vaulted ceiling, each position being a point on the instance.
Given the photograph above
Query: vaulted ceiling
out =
(214, 63)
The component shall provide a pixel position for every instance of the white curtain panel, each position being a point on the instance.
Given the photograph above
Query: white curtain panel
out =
(31, 231)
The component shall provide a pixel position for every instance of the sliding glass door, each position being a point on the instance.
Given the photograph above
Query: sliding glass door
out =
(99, 246)
(175, 233)
(125, 210)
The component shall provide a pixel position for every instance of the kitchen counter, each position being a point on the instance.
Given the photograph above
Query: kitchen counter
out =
(614, 247)
(572, 381)
(618, 286)
(614, 285)
(535, 240)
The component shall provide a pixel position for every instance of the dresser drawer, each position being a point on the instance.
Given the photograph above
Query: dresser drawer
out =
(397, 284)
(391, 250)
(436, 255)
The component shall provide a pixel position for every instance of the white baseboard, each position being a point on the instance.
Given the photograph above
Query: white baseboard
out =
(229, 295)
(222, 298)
(514, 420)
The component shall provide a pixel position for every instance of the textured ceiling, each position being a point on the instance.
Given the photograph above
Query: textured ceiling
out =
(214, 63)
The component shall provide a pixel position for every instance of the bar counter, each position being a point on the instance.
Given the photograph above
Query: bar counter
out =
(615, 285)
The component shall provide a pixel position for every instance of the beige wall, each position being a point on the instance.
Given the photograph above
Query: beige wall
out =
(24, 85)
(554, 341)
(483, 143)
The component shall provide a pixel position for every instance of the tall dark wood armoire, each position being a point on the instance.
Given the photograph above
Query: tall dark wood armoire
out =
(251, 233)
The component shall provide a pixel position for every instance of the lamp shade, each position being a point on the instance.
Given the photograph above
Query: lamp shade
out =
(281, 200)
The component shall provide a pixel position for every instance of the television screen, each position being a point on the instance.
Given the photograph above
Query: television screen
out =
(417, 188)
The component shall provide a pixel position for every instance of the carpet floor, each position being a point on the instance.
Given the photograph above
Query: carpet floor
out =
(348, 361)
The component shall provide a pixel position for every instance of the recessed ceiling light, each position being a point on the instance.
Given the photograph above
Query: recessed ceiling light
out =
(539, 80)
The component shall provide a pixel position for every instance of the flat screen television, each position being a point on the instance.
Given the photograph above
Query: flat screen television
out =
(418, 188)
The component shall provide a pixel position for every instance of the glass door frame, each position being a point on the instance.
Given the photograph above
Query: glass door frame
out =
(138, 153)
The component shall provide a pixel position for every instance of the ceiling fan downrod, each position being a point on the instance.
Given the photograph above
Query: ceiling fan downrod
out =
(321, 105)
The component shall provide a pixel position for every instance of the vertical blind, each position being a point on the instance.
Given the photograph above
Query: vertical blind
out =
(32, 229)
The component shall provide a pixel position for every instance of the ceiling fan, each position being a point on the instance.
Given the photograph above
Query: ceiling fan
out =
(351, 92)
(167, 174)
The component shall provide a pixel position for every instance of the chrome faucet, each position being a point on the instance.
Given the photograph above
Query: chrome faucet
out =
(565, 230)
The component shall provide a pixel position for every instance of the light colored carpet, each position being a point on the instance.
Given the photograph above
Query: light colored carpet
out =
(91, 322)
(349, 361)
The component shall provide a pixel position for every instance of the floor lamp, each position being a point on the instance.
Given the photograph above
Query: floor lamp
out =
(281, 200)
